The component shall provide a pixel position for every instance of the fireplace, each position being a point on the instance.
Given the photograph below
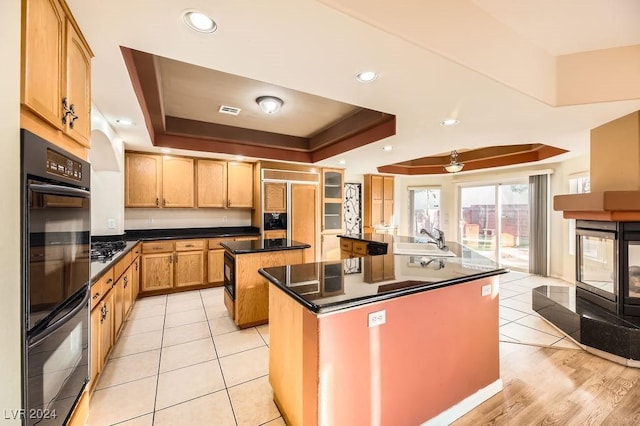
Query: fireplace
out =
(608, 265)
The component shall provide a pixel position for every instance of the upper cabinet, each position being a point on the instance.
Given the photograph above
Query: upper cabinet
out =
(378, 201)
(56, 74)
(239, 185)
(332, 200)
(170, 181)
(275, 197)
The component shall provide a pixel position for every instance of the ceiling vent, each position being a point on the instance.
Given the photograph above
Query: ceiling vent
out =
(224, 109)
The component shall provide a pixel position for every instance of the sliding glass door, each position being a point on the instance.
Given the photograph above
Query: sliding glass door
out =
(424, 209)
(495, 222)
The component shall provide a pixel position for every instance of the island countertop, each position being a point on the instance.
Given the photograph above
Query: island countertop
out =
(262, 245)
(324, 287)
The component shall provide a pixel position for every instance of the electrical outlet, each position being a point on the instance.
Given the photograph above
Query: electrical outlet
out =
(486, 290)
(111, 223)
(377, 318)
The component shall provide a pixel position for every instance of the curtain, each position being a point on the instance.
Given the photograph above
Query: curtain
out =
(538, 224)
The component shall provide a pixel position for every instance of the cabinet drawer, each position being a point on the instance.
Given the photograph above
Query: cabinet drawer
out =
(101, 287)
(346, 245)
(122, 265)
(359, 247)
(214, 243)
(189, 245)
(136, 251)
(157, 247)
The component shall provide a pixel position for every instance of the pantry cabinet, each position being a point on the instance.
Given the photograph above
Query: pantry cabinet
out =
(378, 202)
(56, 73)
(275, 197)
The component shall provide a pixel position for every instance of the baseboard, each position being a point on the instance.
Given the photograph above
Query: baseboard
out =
(463, 407)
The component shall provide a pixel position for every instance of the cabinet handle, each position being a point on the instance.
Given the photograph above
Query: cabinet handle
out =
(228, 203)
(136, 266)
(175, 258)
(97, 295)
(189, 245)
(110, 280)
(157, 201)
(164, 202)
(170, 258)
(126, 282)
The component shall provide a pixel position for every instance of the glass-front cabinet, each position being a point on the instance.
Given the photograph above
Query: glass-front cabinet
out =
(332, 199)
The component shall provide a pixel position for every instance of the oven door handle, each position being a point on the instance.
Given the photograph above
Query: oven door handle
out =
(46, 188)
(53, 327)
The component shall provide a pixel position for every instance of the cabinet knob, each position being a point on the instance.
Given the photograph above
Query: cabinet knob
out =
(164, 202)
(126, 282)
(157, 201)
(110, 280)
(228, 203)
(97, 295)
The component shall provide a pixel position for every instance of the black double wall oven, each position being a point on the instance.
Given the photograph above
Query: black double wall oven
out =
(55, 284)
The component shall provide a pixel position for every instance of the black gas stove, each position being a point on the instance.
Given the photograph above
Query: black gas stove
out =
(103, 251)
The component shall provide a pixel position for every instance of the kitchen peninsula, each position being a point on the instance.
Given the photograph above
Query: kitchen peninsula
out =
(422, 346)
(246, 294)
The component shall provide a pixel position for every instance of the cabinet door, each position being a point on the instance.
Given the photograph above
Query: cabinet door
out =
(330, 247)
(94, 350)
(303, 217)
(189, 268)
(216, 266)
(377, 200)
(43, 65)
(135, 279)
(275, 197)
(388, 266)
(240, 185)
(106, 327)
(128, 292)
(157, 271)
(78, 87)
(387, 200)
(143, 180)
(332, 201)
(212, 183)
(178, 182)
(118, 306)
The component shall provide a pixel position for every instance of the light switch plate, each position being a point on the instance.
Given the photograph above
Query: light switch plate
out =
(377, 318)
(486, 290)
(111, 223)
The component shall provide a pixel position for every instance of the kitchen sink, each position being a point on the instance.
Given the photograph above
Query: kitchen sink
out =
(421, 249)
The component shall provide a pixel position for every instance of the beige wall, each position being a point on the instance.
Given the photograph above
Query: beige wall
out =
(10, 325)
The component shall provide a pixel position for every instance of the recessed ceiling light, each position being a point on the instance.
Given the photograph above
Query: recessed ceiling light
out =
(343, 161)
(198, 21)
(124, 122)
(449, 122)
(387, 148)
(366, 76)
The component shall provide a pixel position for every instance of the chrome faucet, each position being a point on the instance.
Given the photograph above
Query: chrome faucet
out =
(438, 238)
(439, 262)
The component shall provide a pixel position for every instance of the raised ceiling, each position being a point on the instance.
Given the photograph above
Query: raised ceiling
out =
(489, 63)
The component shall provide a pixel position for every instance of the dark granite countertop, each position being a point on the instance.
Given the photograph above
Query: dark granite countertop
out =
(261, 245)
(324, 286)
(174, 233)
(370, 238)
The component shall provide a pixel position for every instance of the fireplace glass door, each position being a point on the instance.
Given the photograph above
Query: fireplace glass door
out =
(597, 266)
(633, 289)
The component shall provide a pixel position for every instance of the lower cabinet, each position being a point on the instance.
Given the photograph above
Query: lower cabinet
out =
(157, 271)
(106, 327)
(215, 269)
(379, 268)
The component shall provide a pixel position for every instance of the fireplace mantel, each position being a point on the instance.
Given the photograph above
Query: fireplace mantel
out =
(612, 206)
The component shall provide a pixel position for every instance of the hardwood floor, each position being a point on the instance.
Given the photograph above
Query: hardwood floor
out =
(548, 386)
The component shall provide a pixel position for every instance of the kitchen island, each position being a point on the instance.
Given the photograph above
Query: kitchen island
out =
(420, 347)
(246, 294)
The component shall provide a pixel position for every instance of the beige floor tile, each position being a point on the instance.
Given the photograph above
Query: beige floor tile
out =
(527, 335)
(146, 420)
(215, 310)
(277, 422)
(186, 333)
(253, 402)
(503, 338)
(142, 325)
(146, 311)
(222, 325)
(182, 318)
(264, 332)
(143, 342)
(244, 366)
(130, 368)
(186, 354)
(238, 341)
(518, 305)
(502, 321)
(538, 323)
(179, 305)
(119, 403)
(566, 343)
(212, 409)
(187, 383)
(152, 300)
(510, 314)
(183, 296)
(506, 293)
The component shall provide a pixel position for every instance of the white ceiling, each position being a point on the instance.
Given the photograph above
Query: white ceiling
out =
(311, 47)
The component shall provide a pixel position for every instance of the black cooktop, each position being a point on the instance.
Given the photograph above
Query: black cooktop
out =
(103, 251)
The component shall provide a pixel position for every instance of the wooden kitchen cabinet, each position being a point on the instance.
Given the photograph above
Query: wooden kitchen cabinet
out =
(275, 197)
(303, 217)
(239, 185)
(56, 74)
(94, 348)
(379, 268)
(118, 306)
(178, 184)
(143, 180)
(215, 269)
(106, 327)
(189, 263)
(378, 201)
(211, 182)
(332, 205)
(173, 264)
(157, 271)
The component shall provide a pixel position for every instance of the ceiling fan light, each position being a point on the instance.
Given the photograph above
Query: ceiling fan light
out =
(454, 166)
(269, 104)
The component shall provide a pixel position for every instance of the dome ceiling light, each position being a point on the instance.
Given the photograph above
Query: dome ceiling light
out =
(269, 104)
(198, 21)
(454, 166)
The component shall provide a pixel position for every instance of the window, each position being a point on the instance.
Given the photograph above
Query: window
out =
(424, 209)
(577, 185)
